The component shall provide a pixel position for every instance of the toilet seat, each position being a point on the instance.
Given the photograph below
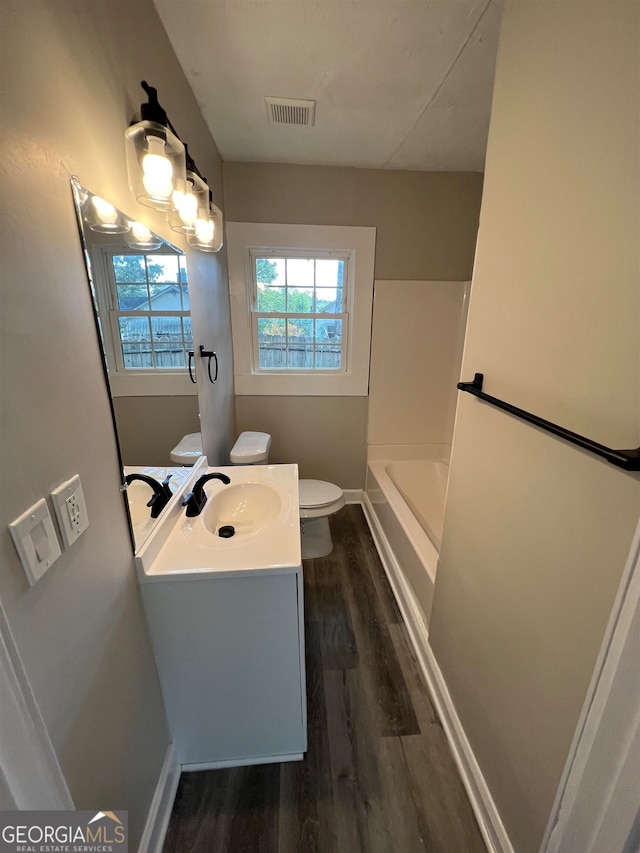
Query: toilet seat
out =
(319, 498)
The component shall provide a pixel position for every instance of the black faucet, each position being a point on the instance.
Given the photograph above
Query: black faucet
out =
(196, 499)
(161, 491)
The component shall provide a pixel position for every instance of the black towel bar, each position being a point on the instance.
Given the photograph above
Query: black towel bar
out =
(627, 459)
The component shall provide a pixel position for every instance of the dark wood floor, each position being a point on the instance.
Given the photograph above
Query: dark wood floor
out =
(378, 776)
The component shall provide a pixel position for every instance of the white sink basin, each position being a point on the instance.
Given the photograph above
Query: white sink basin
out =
(247, 507)
(260, 503)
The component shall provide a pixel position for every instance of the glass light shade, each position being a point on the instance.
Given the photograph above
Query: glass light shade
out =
(140, 237)
(208, 235)
(187, 205)
(102, 216)
(156, 164)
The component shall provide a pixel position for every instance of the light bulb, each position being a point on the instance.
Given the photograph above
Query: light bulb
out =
(187, 207)
(204, 230)
(140, 232)
(157, 169)
(107, 213)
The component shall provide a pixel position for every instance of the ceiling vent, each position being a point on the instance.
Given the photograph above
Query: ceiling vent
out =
(291, 111)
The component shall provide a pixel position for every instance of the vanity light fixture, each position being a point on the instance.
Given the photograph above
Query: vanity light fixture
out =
(164, 176)
(140, 237)
(208, 234)
(102, 216)
(155, 156)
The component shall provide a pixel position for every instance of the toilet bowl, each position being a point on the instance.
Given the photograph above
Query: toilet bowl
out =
(318, 499)
(188, 450)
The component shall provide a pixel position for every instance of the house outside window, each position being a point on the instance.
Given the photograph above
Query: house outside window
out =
(300, 310)
(301, 300)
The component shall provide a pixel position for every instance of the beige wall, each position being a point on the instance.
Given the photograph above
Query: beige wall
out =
(426, 229)
(536, 532)
(149, 427)
(416, 350)
(314, 432)
(71, 73)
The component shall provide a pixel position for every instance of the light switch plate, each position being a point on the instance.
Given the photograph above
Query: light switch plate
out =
(35, 539)
(71, 510)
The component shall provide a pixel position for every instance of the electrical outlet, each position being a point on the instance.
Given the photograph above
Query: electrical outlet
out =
(71, 510)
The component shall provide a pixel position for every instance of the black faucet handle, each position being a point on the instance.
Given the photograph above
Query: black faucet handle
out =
(194, 504)
(165, 486)
(157, 503)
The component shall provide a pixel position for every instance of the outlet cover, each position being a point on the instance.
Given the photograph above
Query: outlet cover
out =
(35, 539)
(71, 510)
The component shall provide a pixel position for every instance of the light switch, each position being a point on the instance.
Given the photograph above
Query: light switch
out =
(35, 539)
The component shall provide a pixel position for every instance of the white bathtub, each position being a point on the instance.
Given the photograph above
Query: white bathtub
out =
(404, 501)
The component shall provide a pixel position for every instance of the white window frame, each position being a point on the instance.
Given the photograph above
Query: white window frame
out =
(123, 382)
(245, 241)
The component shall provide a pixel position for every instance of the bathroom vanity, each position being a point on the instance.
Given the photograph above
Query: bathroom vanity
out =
(226, 621)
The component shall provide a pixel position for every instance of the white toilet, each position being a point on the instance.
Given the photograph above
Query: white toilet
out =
(318, 499)
(188, 450)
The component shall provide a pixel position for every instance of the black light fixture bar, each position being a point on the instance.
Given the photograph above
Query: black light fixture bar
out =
(629, 460)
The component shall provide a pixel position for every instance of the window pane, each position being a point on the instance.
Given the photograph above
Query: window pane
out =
(328, 301)
(129, 268)
(328, 357)
(134, 329)
(187, 330)
(300, 355)
(301, 330)
(163, 268)
(299, 300)
(300, 272)
(137, 356)
(169, 355)
(182, 269)
(329, 273)
(165, 297)
(166, 328)
(270, 271)
(186, 305)
(132, 297)
(272, 356)
(271, 330)
(329, 330)
(271, 299)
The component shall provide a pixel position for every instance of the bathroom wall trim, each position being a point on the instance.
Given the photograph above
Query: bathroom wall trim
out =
(485, 810)
(32, 776)
(352, 496)
(155, 829)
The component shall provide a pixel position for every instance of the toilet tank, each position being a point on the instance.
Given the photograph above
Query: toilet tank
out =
(251, 448)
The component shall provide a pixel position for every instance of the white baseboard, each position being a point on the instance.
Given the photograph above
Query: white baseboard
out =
(352, 496)
(487, 815)
(155, 829)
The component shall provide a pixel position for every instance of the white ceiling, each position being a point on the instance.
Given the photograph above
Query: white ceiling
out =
(399, 84)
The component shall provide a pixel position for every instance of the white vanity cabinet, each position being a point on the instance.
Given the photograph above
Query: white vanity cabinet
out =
(230, 654)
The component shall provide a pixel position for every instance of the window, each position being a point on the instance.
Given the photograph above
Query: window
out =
(299, 310)
(143, 302)
(301, 299)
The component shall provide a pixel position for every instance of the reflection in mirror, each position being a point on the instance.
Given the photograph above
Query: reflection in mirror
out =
(140, 293)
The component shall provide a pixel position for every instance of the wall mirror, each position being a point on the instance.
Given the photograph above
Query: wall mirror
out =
(140, 290)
